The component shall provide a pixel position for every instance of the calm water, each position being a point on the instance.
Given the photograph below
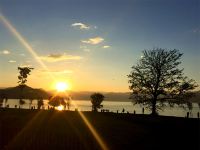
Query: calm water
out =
(112, 106)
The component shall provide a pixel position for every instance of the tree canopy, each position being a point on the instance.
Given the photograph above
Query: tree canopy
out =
(23, 74)
(40, 102)
(157, 79)
(96, 100)
(57, 101)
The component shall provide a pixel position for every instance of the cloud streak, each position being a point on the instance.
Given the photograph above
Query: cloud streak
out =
(5, 52)
(81, 26)
(12, 61)
(93, 41)
(57, 71)
(59, 57)
(197, 30)
(106, 46)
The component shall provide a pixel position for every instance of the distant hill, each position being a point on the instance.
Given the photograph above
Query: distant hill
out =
(28, 92)
(109, 96)
(117, 96)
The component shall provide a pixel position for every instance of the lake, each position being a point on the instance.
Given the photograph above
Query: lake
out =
(112, 106)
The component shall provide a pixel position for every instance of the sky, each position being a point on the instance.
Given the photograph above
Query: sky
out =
(92, 44)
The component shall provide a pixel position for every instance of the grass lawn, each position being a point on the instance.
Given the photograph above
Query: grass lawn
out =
(47, 129)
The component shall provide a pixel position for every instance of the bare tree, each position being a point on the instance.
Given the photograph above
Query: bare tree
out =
(156, 80)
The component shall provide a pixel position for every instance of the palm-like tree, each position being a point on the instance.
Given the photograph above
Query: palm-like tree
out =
(96, 100)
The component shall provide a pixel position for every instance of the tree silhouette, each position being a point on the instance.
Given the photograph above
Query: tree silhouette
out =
(56, 101)
(40, 102)
(1, 99)
(30, 102)
(96, 100)
(21, 102)
(23, 74)
(6, 100)
(156, 80)
(68, 103)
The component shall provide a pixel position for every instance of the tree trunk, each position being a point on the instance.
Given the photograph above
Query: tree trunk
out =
(154, 113)
(94, 108)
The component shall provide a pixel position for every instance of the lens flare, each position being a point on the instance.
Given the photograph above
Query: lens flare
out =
(60, 108)
(62, 86)
(24, 42)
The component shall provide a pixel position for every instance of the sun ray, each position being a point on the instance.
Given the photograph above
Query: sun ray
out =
(23, 41)
(94, 132)
(27, 127)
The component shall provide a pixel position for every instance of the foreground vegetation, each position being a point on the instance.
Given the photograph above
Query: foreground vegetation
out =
(48, 129)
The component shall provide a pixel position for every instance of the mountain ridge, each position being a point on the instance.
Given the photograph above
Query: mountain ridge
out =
(35, 93)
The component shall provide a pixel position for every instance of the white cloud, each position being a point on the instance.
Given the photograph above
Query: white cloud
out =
(5, 52)
(12, 61)
(106, 46)
(59, 57)
(93, 41)
(81, 26)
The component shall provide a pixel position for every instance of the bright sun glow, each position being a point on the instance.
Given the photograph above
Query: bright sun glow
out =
(62, 86)
(60, 108)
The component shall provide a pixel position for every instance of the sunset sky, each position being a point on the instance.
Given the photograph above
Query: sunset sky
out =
(92, 44)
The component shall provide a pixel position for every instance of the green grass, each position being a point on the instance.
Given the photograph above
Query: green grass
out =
(33, 129)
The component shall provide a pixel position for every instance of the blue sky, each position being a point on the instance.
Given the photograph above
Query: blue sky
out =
(96, 54)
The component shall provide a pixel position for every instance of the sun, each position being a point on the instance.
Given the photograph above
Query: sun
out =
(62, 86)
(60, 108)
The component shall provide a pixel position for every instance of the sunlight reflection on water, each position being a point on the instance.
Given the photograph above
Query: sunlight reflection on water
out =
(112, 106)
